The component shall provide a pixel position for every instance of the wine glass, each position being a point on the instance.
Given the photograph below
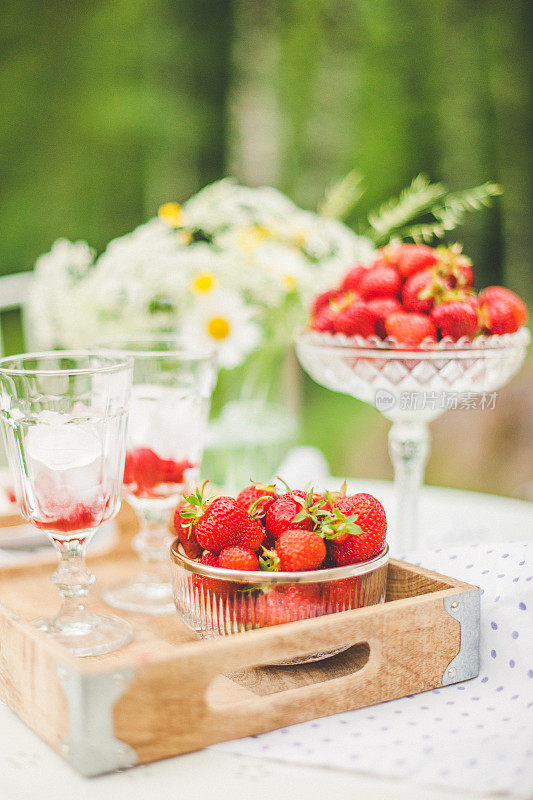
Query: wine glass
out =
(64, 418)
(167, 427)
(411, 388)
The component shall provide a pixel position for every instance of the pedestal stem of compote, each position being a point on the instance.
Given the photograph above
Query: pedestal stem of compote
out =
(409, 450)
(152, 544)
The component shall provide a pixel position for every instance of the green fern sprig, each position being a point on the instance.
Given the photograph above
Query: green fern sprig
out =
(416, 199)
(425, 199)
(423, 233)
(342, 197)
(449, 213)
(457, 204)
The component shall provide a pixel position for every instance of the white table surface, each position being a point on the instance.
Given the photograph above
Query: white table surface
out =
(30, 769)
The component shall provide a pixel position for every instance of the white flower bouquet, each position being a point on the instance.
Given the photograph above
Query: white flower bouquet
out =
(233, 268)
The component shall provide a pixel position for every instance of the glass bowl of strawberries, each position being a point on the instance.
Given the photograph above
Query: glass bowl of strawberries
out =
(266, 558)
(410, 335)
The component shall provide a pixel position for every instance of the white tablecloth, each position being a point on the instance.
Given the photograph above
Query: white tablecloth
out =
(476, 734)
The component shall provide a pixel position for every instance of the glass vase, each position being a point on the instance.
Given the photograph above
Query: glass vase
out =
(254, 420)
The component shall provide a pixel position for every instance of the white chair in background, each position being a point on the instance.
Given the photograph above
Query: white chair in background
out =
(14, 293)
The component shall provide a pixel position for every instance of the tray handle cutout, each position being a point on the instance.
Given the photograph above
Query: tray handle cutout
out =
(250, 685)
(233, 705)
(272, 679)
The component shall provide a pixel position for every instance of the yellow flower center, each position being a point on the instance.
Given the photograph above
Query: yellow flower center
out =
(289, 282)
(203, 283)
(251, 236)
(299, 238)
(218, 328)
(171, 214)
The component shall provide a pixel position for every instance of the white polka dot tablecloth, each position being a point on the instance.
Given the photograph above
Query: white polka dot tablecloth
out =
(476, 735)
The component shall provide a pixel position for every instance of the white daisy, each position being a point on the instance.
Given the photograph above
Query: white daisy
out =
(220, 320)
(227, 286)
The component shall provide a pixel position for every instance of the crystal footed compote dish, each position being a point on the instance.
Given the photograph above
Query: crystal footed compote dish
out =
(64, 418)
(167, 428)
(411, 388)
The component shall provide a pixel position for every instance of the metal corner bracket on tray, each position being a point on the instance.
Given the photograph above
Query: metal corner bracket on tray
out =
(465, 608)
(90, 745)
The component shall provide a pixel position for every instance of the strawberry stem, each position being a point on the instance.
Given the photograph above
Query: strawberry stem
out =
(269, 561)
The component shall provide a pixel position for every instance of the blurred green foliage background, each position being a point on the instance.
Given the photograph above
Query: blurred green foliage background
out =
(110, 108)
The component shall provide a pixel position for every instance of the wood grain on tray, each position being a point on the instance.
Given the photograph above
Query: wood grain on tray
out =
(184, 694)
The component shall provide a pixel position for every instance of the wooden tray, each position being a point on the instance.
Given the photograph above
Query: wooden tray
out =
(167, 693)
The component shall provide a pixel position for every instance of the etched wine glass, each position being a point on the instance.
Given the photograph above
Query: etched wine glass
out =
(64, 418)
(170, 401)
(411, 388)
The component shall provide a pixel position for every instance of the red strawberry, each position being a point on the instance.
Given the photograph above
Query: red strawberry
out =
(353, 277)
(381, 307)
(464, 276)
(323, 322)
(497, 316)
(184, 528)
(355, 319)
(345, 594)
(291, 603)
(420, 290)
(386, 256)
(323, 300)
(213, 589)
(238, 557)
(471, 299)
(409, 329)
(257, 499)
(225, 523)
(518, 306)
(268, 541)
(372, 521)
(411, 258)
(209, 559)
(455, 267)
(381, 281)
(145, 467)
(171, 471)
(300, 550)
(129, 470)
(280, 516)
(455, 319)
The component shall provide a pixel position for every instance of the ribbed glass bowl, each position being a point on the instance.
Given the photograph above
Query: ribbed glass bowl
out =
(217, 602)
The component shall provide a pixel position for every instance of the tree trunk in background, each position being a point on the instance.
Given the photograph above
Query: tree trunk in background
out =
(465, 123)
(508, 29)
(189, 72)
(397, 131)
(300, 37)
(71, 128)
